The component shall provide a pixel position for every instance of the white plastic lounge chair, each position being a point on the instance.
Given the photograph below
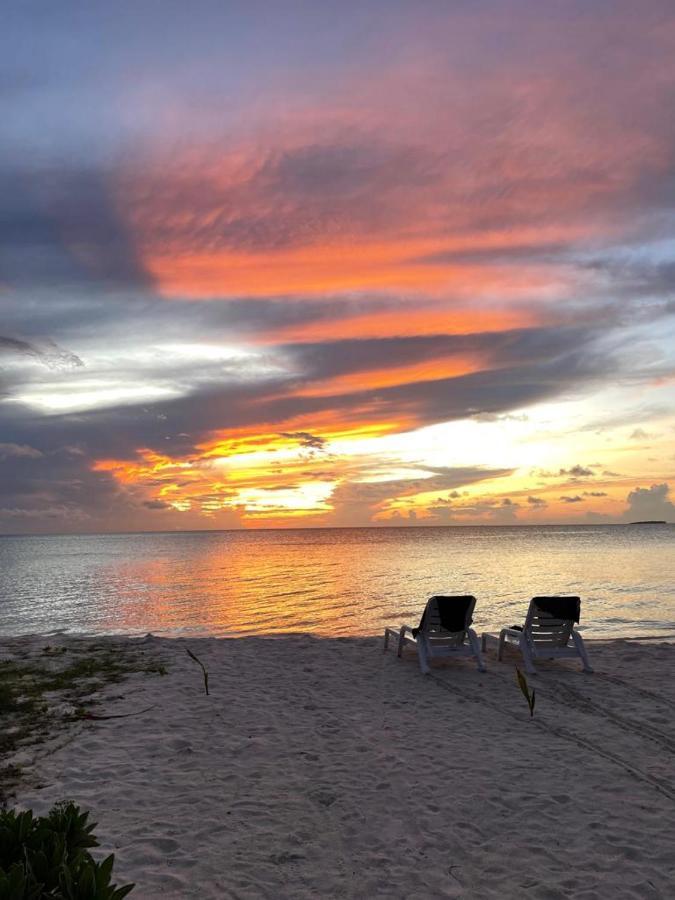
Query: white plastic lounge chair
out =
(548, 632)
(443, 631)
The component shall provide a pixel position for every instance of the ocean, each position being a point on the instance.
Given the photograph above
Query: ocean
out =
(338, 582)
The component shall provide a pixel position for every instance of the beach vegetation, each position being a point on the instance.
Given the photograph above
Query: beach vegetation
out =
(203, 667)
(529, 694)
(39, 694)
(48, 856)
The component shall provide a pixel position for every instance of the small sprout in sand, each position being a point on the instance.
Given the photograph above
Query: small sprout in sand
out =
(199, 662)
(529, 694)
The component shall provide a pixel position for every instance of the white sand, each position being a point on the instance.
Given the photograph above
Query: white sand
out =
(325, 768)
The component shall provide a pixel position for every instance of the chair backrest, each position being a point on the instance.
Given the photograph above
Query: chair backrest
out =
(550, 620)
(446, 616)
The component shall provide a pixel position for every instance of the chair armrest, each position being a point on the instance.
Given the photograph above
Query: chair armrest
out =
(402, 637)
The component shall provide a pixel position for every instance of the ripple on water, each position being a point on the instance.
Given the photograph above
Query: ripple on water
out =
(342, 581)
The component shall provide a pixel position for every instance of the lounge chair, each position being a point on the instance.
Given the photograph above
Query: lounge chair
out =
(547, 632)
(443, 631)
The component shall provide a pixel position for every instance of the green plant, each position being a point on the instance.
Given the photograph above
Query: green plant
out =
(529, 694)
(199, 662)
(48, 857)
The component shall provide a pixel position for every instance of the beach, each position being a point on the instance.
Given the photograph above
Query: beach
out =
(321, 767)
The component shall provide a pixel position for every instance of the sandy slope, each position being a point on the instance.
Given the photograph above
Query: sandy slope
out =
(325, 768)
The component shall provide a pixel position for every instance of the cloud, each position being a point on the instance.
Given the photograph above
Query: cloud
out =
(595, 494)
(51, 355)
(493, 511)
(371, 263)
(537, 502)
(60, 226)
(358, 502)
(639, 434)
(19, 450)
(306, 440)
(650, 503)
(575, 499)
(577, 471)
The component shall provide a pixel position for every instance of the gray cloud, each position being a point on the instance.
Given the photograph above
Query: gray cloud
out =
(18, 450)
(61, 227)
(305, 439)
(357, 501)
(555, 363)
(577, 471)
(650, 503)
(155, 504)
(49, 353)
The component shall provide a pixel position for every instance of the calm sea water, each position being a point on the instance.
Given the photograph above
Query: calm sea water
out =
(332, 582)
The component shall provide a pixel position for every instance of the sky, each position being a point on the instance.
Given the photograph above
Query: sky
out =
(298, 264)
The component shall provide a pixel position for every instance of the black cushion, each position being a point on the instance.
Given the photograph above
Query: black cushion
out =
(567, 608)
(453, 612)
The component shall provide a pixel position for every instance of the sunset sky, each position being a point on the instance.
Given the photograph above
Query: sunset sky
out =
(296, 264)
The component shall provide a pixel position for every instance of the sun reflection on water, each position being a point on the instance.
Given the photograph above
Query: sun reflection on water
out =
(334, 581)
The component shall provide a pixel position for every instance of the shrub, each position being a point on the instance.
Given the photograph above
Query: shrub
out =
(48, 857)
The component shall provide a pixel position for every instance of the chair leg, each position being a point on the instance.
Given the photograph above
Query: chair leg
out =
(422, 654)
(502, 641)
(475, 646)
(401, 640)
(527, 656)
(581, 650)
(389, 633)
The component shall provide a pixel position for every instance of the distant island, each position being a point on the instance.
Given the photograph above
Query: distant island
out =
(650, 522)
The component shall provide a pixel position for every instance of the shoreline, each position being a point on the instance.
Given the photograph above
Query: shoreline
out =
(325, 767)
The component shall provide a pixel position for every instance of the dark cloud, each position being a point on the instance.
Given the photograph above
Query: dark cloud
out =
(577, 471)
(575, 499)
(61, 227)
(556, 361)
(49, 353)
(491, 511)
(305, 439)
(537, 502)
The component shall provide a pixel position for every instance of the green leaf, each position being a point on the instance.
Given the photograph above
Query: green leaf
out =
(529, 695)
